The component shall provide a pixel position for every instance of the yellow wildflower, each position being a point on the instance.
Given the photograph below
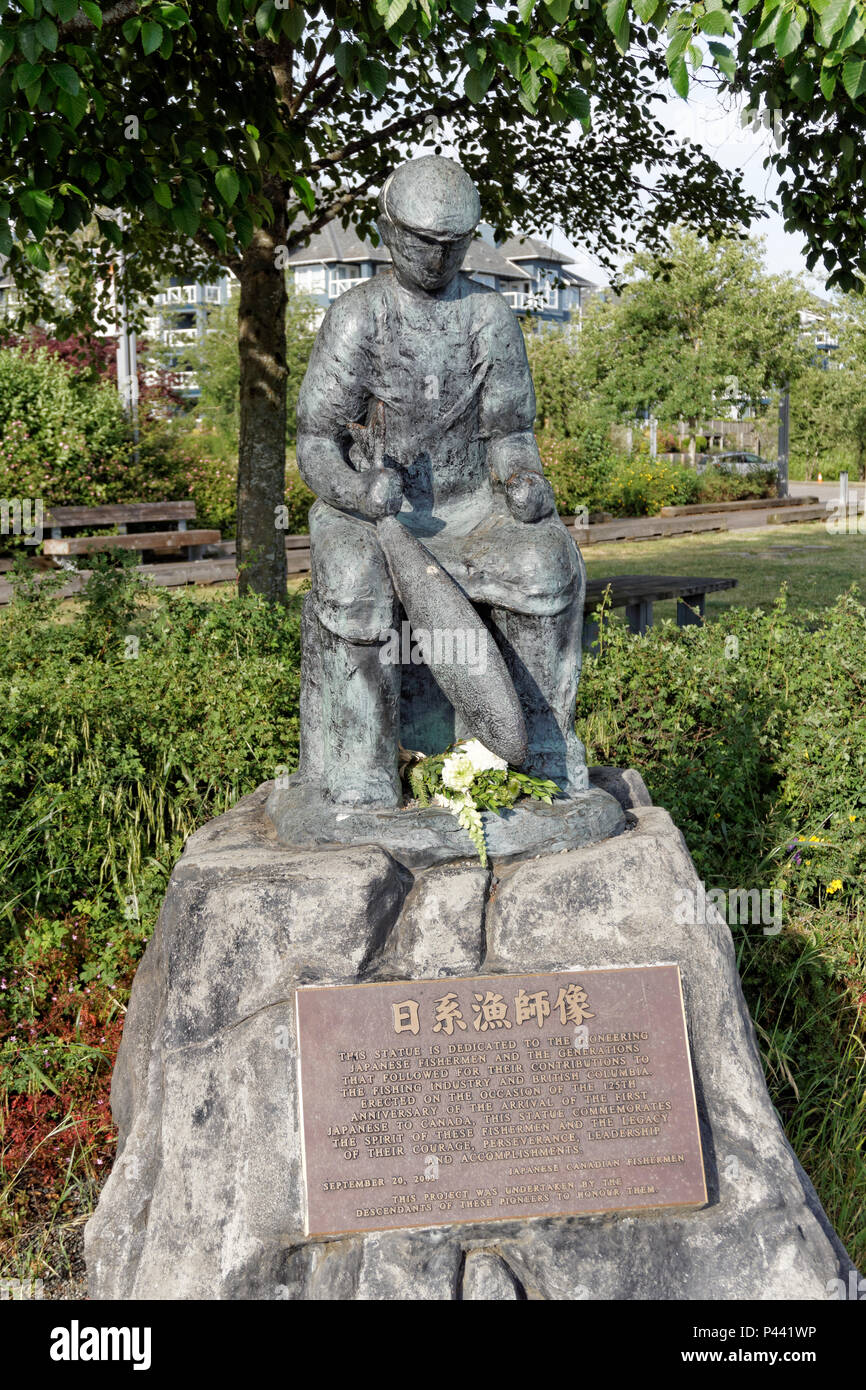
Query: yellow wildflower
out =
(834, 886)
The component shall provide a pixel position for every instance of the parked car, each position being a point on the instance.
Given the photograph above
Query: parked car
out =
(737, 461)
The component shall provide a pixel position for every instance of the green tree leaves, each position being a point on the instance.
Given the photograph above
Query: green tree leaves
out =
(66, 78)
(151, 37)
(854, 77)
(228, 184)
(374, 76)
(689, 323)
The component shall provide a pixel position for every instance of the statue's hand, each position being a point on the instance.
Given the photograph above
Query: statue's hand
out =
(383, 493)
(529, 496)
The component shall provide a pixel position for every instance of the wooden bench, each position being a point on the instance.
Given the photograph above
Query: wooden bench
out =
(134, 523)
(637, 593)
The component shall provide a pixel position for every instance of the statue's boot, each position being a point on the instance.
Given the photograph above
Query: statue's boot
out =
(543, 656)
(358, 721)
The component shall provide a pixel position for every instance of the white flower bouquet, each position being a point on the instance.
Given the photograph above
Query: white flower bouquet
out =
(467, 779)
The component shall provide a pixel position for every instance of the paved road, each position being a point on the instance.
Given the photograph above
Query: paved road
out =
(823, 490)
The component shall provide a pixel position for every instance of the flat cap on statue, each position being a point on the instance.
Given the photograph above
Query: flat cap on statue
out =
(433, 196)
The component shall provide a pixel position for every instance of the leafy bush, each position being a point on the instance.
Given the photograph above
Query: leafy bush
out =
(63, 437)
(203, 465)
(752, 734)
(76, 448)
(117, 749)
(578, 470)
(641, 486)
(196, 464)
(586, 473)
(723, 485)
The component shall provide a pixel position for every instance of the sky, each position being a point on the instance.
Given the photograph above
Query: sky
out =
(715, 123)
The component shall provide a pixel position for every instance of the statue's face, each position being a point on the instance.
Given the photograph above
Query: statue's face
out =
(420, 260)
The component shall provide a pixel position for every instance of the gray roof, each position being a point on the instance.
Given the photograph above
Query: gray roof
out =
(336, 243)
(529, 248)
(484, 259)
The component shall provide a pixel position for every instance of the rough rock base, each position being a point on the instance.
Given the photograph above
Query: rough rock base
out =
(205, 1199)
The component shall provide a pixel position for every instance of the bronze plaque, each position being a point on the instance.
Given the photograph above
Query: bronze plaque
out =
(495, 1098)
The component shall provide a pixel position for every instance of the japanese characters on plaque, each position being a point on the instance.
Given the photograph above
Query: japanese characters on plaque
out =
(429, 1102)
(489, 1010)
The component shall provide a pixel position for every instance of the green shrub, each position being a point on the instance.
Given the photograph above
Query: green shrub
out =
(63, 437)
(578, 470)
(752, 733)
(117, 749)
(721, 485)
(203, 465)
(196, 464)
(641, 486)
(585, 472)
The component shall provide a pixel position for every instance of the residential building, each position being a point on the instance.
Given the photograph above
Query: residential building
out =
(535, 279)
(818, 330)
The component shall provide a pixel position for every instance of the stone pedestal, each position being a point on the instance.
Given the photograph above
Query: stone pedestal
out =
(205, 1200)
(421, 837)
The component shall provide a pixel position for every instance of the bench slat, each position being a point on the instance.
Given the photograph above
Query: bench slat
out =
(115, 514)
(144, 540)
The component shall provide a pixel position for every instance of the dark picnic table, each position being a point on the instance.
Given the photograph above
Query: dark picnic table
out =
(637, 593)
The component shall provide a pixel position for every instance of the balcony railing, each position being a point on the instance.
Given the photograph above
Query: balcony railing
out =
(176, 337)
(537, 300)
(338, 285)
(195, 294)
(180, 381)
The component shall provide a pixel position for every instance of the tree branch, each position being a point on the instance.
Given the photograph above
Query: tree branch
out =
(80, 22)
(229, 259)
(313, 73)
(345, 200)
(385, 132)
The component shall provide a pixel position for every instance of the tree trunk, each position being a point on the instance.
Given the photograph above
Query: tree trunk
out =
(261, 551)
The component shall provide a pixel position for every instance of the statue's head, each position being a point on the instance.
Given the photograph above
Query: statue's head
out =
(429, 209)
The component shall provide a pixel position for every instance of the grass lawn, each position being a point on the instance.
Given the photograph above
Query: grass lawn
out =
(815, 565)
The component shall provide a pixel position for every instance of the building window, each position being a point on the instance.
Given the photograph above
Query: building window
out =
(310, 279)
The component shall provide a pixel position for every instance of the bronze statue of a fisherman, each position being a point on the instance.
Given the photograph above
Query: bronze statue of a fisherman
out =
(441, 359)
